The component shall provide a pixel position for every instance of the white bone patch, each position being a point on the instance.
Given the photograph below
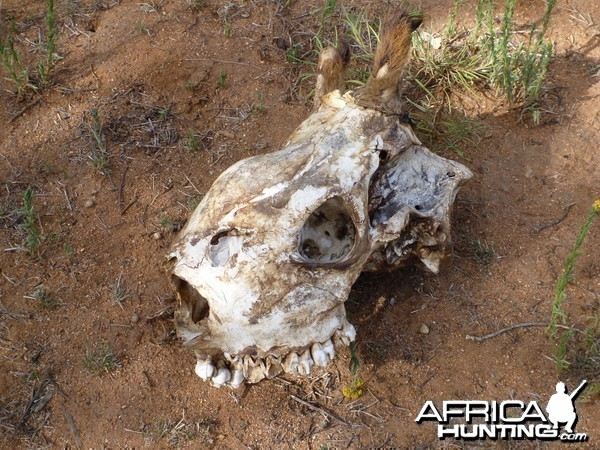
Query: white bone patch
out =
(225, 247)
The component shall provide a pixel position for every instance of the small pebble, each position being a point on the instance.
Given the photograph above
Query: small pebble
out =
(90, 203)
(135, 318)
(424, 329)
(156, 236)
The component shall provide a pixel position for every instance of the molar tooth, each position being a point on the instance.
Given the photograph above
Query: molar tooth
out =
(204, 369)
(237, 378)
(337, 339)
(306, 363)
(223, 376)
(318, 355)
(254, 371)
(234, 359)
(273, 366)
(346, 334)
(350, 332)
(290, 363)
(329, 348)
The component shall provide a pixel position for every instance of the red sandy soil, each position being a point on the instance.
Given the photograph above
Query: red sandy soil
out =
(155, 72)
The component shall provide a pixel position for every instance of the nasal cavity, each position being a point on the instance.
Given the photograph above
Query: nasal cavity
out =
(225, 245)
(328, 235)
(192, 305)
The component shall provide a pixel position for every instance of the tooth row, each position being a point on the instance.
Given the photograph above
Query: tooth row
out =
(248, 368)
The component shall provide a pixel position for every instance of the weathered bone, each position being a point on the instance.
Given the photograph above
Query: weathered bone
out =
(306, 363)
(318, 355)
(329, 349)
(204, 369)
(264, 265)
(291, 362)
(222, 376)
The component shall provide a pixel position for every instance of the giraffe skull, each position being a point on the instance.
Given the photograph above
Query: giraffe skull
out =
(265, 263)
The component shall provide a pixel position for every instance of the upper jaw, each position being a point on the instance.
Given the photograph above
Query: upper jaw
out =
(234, 370)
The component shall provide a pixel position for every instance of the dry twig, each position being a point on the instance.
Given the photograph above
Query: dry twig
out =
(319, 409)
(513, 327)
(74, 430)
(554, 222)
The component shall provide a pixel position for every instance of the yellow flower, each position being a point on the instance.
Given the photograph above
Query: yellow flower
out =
(354, 390)
(597, 206)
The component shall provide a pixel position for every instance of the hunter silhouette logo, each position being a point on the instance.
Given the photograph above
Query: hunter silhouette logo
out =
(561, 408)
(509, 419)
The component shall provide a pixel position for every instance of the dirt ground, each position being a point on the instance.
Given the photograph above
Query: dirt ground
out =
(158, 73)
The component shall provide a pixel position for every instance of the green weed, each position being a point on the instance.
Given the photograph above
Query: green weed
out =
(163, 114)
(583, 355)
(227, 32)
(33, 239)
(487, 58)
(558, 315)
(141, 28)
(192, 143)
(44, 298)
(363, 35)
(169, 224)
(222, 77)
(291, 55)
(490, 58)
(98, 154)
(259, 106)
(328, 9)
(444, 129)
(591, 391)
(451, 26)
(166, 223)
(48, 168)
(196, 5)
(519, 69)
(355, 389)
(46, 65)
(100, 360)
(194, 201)
(440, 68)
(482, 252)
(120, 293)
(11, 59)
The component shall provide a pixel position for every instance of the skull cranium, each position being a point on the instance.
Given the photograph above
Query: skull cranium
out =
(264, 265)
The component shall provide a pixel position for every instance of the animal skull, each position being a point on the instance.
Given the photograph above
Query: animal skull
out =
(265, 263)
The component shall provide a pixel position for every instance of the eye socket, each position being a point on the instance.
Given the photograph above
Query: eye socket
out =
(225, 245)
(328, 235)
